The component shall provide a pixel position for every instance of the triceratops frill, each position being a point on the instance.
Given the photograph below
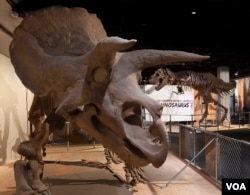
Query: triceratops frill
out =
(66, 52)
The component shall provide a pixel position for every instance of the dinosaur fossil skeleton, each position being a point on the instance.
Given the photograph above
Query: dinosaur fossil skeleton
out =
(77, 63)
(204, 83)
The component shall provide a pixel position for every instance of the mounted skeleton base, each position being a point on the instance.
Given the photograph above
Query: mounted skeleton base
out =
(204, 83)
(79, 65)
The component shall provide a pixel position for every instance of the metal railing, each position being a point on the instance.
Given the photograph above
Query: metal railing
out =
(214, 154)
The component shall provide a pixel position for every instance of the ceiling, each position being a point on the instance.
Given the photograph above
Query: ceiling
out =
(219, 28)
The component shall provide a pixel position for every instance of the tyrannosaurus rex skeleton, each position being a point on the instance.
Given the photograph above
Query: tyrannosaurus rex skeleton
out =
(204, 83)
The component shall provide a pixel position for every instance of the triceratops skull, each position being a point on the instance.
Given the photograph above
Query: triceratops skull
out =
(98, 76)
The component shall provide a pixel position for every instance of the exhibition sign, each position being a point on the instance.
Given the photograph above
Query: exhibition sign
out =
(178, 103)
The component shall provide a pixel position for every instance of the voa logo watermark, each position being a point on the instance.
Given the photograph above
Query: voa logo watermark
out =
(235, 186)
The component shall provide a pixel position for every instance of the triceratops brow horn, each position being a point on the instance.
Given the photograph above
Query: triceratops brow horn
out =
(148, 58)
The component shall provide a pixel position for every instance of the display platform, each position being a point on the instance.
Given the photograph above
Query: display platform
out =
(94, 179)
(66, 180)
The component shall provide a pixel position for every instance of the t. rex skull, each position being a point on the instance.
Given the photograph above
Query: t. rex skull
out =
(82, 67)
(161, 77)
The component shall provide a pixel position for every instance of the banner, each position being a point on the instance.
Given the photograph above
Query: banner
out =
(178, 103)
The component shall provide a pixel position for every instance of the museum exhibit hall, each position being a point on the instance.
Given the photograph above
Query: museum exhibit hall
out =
(124, 97)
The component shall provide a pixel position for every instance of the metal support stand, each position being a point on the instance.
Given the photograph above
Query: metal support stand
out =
(67, 127)
(188, 164)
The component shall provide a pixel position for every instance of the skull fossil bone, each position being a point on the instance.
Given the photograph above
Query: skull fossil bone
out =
(81, 66)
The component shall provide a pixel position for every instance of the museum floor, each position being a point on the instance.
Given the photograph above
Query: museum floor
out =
(93, 178)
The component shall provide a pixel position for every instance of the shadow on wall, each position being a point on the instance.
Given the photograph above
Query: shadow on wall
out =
(11, 129)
